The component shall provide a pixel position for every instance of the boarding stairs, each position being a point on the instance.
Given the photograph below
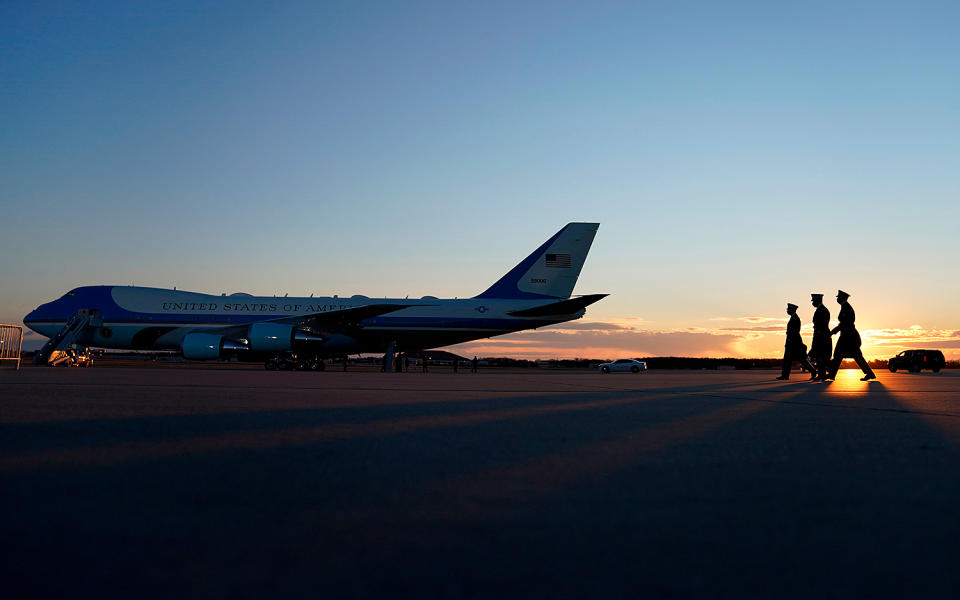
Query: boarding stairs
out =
(60, 348)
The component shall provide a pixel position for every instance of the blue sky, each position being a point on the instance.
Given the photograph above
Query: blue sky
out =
(737, 155)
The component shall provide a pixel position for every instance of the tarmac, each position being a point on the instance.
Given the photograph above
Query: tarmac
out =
(216, 483)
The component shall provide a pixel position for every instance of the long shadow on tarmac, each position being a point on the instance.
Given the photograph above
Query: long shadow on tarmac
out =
(754, 489)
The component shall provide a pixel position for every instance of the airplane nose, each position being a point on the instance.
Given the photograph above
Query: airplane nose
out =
(41, 313)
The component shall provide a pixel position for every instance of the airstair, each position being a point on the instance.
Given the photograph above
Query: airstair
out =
(63, 347)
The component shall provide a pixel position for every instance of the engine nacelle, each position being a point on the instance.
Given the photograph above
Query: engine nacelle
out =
(201, 346)
(208, 346)
(270, 337)
(278, 337)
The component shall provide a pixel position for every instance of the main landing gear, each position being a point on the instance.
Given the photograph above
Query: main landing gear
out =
(294, 362)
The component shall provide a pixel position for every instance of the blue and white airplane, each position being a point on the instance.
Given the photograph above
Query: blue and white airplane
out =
(285, 331)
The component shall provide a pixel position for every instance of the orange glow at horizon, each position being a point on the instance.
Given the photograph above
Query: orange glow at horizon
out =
(745, 337)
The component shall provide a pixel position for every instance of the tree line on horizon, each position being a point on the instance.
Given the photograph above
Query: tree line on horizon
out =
(673, 362)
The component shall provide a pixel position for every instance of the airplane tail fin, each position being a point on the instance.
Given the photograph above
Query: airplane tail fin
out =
(552, 270)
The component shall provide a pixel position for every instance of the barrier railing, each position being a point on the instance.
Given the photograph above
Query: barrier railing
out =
(11, 340)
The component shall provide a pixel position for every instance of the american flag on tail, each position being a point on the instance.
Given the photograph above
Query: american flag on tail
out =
(558, 261)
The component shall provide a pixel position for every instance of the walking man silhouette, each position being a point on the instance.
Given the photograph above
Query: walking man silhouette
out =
(822, 344)
(848, 346)
(794, 349)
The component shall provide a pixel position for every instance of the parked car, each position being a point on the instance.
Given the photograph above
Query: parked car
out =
(917, 360)
(623, 364)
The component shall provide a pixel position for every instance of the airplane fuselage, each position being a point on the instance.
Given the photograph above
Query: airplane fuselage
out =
(143, 318)
(536, 292)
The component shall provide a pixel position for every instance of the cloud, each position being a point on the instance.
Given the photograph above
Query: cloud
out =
(606, 340)
(751, 319)
(595, 326)
(891, 341)
(914, 333)
(758, 337)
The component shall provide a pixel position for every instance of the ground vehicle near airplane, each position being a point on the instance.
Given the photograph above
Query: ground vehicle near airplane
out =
(622, 365)
(287, 332)
(917, 360)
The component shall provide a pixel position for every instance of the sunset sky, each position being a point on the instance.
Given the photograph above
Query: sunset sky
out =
(738, 156)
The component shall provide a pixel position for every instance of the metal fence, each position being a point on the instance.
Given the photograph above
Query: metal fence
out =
(11, 339)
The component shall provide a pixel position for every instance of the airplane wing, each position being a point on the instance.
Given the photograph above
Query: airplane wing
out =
(563, 307)
(334, 321)
(338, 320)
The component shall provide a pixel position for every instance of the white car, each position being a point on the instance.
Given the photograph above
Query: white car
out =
(623, 364)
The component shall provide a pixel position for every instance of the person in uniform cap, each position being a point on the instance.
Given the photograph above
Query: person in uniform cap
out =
(822, 344)
(794, 349)
(848, 346)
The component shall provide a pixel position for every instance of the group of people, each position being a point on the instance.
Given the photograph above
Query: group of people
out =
(818, 361)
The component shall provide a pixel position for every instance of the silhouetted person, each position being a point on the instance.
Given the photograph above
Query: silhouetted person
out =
(821, 346)
(848, 346)
(424, 362)
(473, 365)
(794, 349)
(456, 363)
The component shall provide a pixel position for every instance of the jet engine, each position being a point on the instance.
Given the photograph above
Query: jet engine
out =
(277, 337)
(266, 338)
(209, 346)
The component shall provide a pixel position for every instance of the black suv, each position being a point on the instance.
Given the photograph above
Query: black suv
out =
(917, 360)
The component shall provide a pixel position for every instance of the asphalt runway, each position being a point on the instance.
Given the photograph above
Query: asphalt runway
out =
(222, 483)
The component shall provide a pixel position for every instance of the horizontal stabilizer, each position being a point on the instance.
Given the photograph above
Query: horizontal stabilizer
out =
(565, 307)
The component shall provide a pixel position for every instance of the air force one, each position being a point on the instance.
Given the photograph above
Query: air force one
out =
(299, 332)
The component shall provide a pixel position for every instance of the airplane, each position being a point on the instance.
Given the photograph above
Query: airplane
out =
(298, 333)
